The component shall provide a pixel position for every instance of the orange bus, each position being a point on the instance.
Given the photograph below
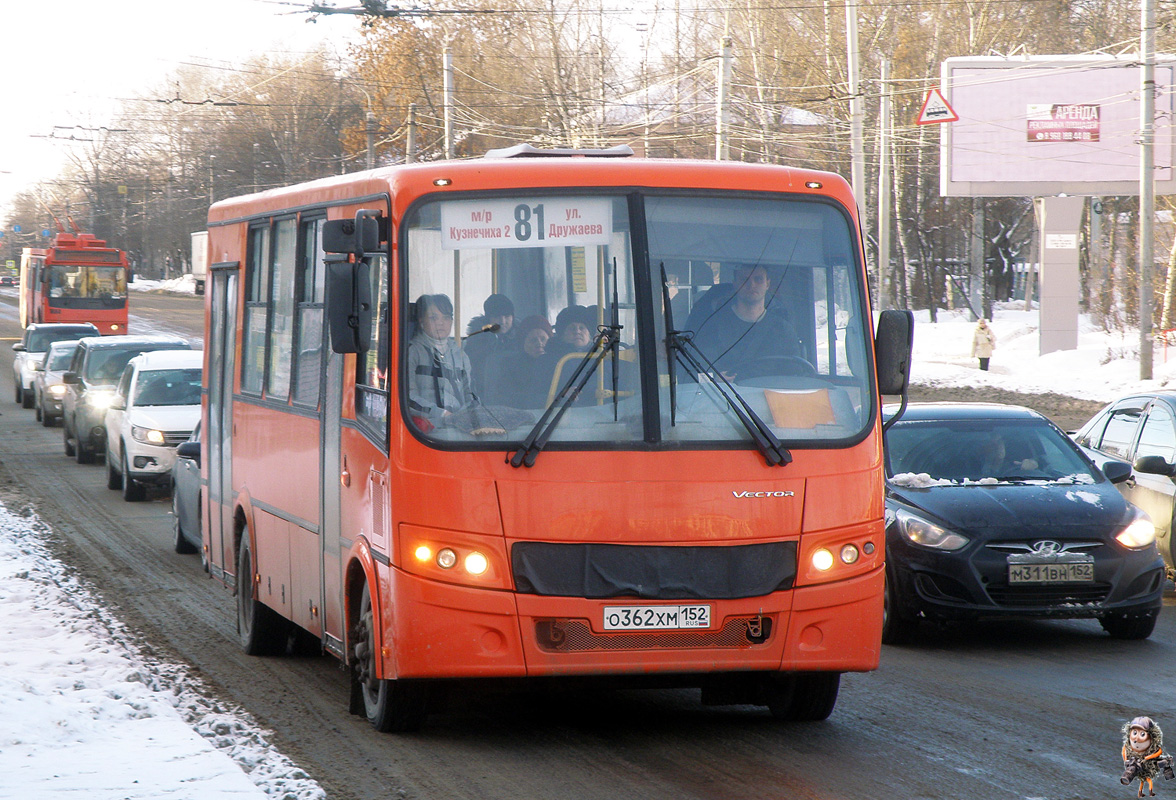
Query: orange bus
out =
(77, 279)
(671, 498)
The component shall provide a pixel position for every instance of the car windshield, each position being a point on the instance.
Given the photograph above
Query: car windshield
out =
(982, 450)
(748, 318)
(39, 340)
(58, 358)
(168, 387)
(106, 365)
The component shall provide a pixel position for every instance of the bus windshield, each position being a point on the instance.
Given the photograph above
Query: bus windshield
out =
(87, 286)
(720, 313)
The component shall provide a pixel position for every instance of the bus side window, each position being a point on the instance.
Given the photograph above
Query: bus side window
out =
(371, 382)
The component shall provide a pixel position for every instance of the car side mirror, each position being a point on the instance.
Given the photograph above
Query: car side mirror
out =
(19, 347)
(189, 450)
(1116, 471)
(70, 378)
(1154, 465)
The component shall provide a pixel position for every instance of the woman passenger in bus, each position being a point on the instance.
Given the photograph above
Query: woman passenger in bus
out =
(438, 371)
(520, 377)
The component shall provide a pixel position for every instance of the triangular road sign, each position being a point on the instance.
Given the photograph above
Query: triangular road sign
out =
(936, 109)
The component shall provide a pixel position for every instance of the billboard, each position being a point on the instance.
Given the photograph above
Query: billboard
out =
(1049, 125)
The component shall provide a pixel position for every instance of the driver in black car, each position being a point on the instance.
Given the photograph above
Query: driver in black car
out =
(745, 328)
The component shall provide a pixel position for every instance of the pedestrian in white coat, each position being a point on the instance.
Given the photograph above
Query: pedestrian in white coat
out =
(983, 343)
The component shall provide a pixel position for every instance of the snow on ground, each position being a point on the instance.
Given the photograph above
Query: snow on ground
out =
(1105, 365)
(86, 714)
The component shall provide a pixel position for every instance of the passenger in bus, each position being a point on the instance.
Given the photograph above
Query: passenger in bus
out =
(484, 340)
(438, 371)
(574, 329)
(741, 325)
(520, 377)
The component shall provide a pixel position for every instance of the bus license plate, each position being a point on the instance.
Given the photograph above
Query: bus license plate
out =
(656, 618)
(1051, 573)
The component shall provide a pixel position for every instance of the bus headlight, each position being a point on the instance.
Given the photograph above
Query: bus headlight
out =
(147, 435)
(468, 559)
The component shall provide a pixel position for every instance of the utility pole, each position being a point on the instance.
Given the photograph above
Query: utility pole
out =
(723, 110)
(1147, 186)
(370, 130)
(883, 265)
(856, 114)
(410, 143)
(449, 149)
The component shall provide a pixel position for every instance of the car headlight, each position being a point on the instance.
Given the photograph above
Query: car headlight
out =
(57, 389)
(99, 399)
(147, 435)
(928, 534)
(1139, 534)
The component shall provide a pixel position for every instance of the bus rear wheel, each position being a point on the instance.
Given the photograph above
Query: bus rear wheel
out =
(807, 697)
(390, 706)
(260, 629)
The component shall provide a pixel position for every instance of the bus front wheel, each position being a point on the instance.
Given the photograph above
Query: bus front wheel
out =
(390, 706)
(261, 631)
(807, 697)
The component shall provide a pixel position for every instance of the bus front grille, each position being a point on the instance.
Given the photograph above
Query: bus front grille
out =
(577, 636)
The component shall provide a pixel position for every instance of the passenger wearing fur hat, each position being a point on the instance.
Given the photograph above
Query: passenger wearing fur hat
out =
(1143, 754)
(488, 334)
(520, 377)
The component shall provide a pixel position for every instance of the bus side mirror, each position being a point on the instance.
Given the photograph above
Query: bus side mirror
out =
(892, 350)
(349, 306)
(353, 236)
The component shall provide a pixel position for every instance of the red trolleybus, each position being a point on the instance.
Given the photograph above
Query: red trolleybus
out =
(77, 279)
(670, 497)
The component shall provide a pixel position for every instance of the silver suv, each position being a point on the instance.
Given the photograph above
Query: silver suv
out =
(90, 383)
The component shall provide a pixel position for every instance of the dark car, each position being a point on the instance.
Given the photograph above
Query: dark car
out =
(992, 511)
(90, 381)
(33, 346)
(1141, 429)
(186, 496)
(7, 280)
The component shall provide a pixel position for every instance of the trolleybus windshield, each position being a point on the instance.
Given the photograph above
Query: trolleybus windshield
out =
(81, 286)
(714, 302)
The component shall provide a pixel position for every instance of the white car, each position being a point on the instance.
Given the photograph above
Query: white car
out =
(156, 407)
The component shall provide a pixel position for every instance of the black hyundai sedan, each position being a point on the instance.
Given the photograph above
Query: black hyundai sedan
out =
(992, 511)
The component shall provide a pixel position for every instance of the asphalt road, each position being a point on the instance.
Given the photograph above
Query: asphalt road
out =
(1021, 710)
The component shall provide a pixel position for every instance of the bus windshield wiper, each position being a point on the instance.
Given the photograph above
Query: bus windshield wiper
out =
(607, 339)
(682, 343)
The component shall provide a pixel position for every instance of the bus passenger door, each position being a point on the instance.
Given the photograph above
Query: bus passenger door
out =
(222, 335)
(332, 543)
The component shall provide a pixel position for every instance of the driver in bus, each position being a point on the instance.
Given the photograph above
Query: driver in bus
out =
(438, 370)
(744, 327)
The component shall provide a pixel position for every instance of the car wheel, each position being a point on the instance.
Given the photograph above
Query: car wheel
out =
(182, 544)
(808, 697)
(132, 490)
(114, 478)
(390, 706)
(260, 629)
(45, 417)
(82, 453)
(26, 398)
(16, 382)
(899, 625)
(69, 446)
(38, 413)
(1130, 625)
